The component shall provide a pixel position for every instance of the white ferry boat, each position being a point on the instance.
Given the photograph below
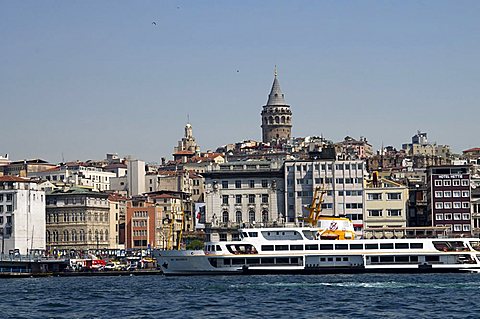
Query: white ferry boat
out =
(328, 248)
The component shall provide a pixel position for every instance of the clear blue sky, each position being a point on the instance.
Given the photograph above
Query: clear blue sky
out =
(84, 78)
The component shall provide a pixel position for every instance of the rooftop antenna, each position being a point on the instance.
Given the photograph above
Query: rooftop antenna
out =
(188, 118)
(275, 73)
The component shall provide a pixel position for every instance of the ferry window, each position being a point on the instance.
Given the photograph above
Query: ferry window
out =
(253, 261)
(267, 247)
(238, 261)
(386, 246)
(323, 258)
(296, 247)
(283, 260)
(311, 247)
(344, 258)
(219, 248)
(338, 258)
(386, 259)
(267, 261)
(401, 245)
(330, 259)
(371, 246)
(402, 259)
(414, 259)
(374, 259)
(416, 245)
(356, 246)
(432, 258)
(341, 247)
(294, 260)
(326, 247)
(253, 234)
(226, 262)
(245, 234)
(213, 247)
(281, 247)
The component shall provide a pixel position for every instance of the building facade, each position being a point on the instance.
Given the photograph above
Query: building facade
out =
(22, 216)
(342, 182)
(449, 194)
(77, 219)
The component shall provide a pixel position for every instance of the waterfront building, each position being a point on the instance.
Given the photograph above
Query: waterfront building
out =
(449, 195)
(118, 208)
(76, 174)
(341, 181)
(140, 223)
(77, 218)
(385, 204)
(22, 215)
(276, 116)
(243, 193)
(475, 211)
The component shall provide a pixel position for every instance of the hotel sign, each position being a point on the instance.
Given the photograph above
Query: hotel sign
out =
(450, 176)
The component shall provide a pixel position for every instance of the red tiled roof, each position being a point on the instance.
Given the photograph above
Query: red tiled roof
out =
(9, 178)
(165, 196)
(475, 149)
(184, 153)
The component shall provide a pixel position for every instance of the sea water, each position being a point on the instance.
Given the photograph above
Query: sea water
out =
(269, 296)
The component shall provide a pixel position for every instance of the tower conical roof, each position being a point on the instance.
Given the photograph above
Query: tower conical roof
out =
(276, 96)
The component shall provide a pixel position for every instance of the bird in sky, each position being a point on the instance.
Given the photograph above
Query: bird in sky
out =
(154, 23)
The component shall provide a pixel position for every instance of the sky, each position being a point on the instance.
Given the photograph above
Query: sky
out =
(79, 79)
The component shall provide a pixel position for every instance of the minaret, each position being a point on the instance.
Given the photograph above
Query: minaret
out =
(276, 116)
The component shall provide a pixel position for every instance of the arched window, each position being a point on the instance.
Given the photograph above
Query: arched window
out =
(277, 119)
(74, 235)
(49, 239)
(101, 235)
(251, 216)
(106, 235)
(55, 236)
(82, 235)
(96, 235)
(283, 119)
(270, 120)
(89, 235)
(238, 216)
(225, 217)
(65, 236)
(264, 216)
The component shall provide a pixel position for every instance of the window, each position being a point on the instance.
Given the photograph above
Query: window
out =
(466, 216)
(264, 198)
(457, 205)
(446, 182)
(447, 205)
(251, 199)
(394, 196)
(447, 194)
(225, 217)
(456, 193)
(394, 212)
(251, 183)
(465, 182)
(457, 216)
(456, 182)
(375, 213)
(238, 216)
(264, 183)
(374, 196)
(465, 205)
(438, 183)
(224, 184)
(465, 193)
(448, 216)
(238, 184)
(225, 199)
(251, 216)
(457, 227)
(9, 197)
(9, 208)
(438, 194)
(438, 216)
(438, 205)
(466, 227)
(264, 216)
(238, 199)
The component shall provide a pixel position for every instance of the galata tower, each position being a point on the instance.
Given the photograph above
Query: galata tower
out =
(276, 116)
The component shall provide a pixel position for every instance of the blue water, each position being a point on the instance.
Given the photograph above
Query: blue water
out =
(300, 296)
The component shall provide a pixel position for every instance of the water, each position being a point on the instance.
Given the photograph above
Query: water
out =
(295, 296)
